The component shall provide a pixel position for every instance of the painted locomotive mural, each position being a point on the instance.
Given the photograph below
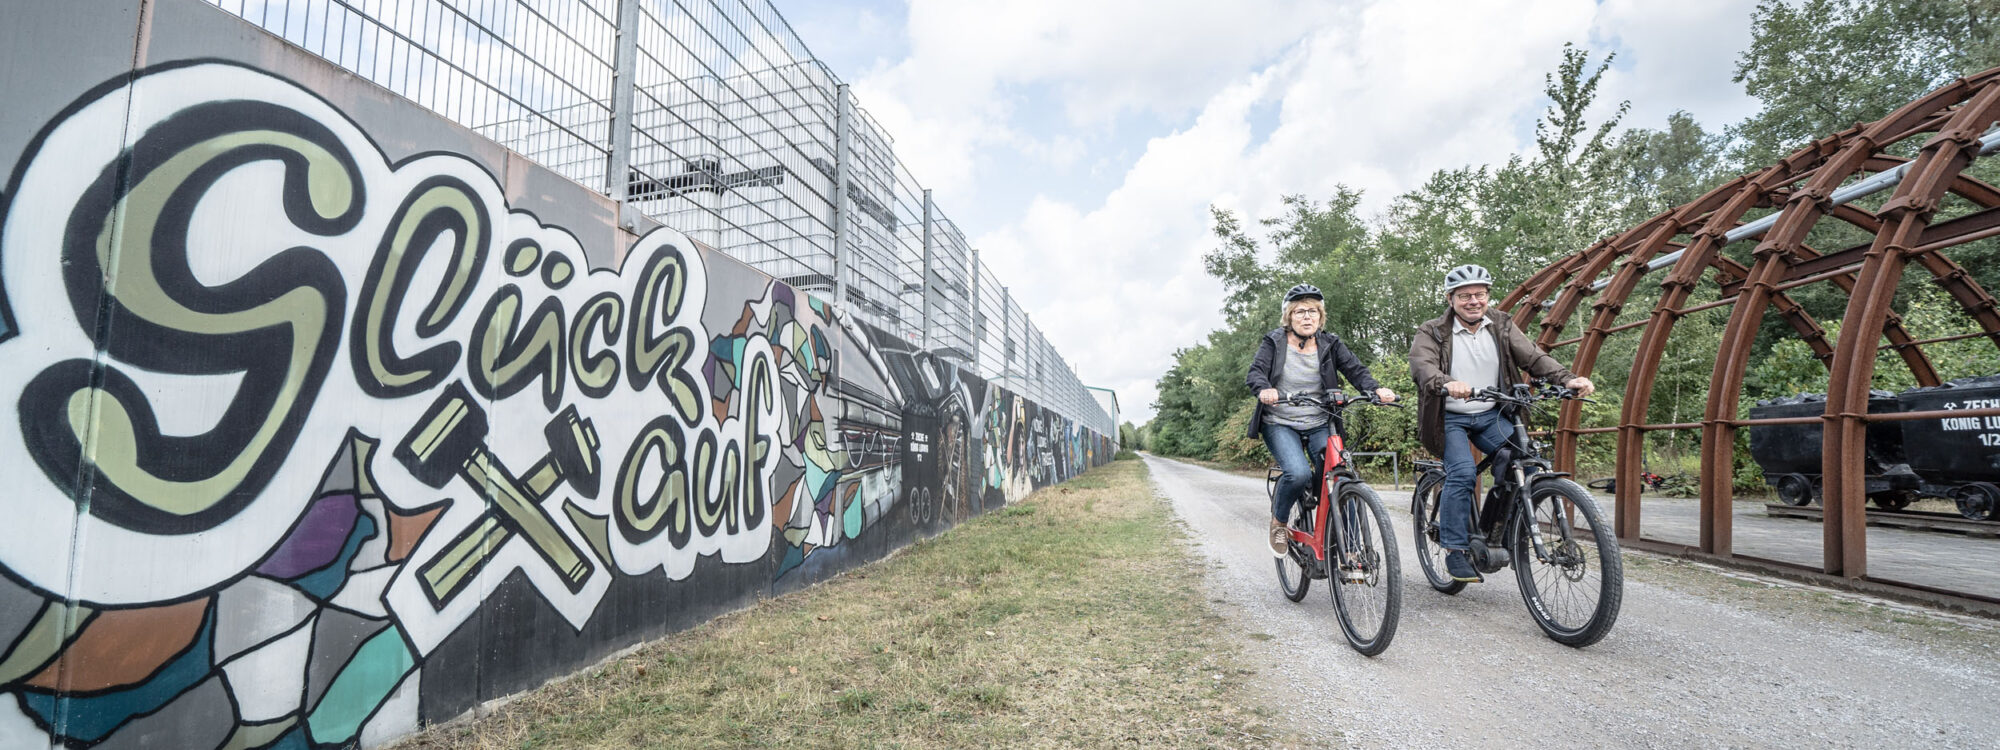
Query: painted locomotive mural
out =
(309, 447)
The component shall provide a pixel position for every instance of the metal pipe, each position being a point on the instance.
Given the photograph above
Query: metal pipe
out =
(843, 123)
(925, 286)
(617, 178)
(1938, 340)
(1956, 241)
(1776, 421)
(1875, 183)
(972, 325)
(1911, 416)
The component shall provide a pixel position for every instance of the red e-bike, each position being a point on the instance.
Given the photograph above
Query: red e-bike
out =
(1341, 533)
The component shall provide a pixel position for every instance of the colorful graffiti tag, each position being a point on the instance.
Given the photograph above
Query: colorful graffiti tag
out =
(311, 447)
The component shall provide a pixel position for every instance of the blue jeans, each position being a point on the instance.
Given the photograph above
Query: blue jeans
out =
(1462, 431)
(1289, 446)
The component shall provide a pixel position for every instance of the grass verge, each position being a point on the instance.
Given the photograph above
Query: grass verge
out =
(1071, 619)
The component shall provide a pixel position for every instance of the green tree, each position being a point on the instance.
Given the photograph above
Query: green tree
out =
(1657, 170)
(1820, 66)
(1130, 438)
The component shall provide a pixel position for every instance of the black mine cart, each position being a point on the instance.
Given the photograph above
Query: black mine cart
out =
(1957, 457)
(1789, 454)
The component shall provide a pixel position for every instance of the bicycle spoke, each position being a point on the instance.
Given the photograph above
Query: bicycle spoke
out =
(1366, 581)
(1572, 581)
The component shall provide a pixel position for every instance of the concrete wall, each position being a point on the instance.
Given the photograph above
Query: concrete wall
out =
(330, 418)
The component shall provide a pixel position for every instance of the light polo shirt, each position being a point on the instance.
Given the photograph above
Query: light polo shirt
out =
(1474, 361)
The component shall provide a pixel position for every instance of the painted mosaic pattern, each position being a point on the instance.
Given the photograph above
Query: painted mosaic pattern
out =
(310, 447)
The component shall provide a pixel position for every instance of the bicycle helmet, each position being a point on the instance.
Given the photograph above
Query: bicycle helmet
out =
(1466, 275)
(1303, 291)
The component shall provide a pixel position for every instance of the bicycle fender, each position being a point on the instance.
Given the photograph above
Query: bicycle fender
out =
(1418, 491)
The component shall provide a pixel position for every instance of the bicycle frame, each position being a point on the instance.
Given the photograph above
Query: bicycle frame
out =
(1519, 464)
(1336, 471)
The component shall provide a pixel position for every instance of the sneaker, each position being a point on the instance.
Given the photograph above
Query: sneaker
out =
(1281, 538)
(1460, 567)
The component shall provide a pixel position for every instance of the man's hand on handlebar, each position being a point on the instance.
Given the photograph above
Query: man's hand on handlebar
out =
(1269, 396)
(1582, 386)
(1458, 389)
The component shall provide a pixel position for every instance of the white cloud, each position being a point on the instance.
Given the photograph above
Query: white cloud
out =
(1679, 56)
(1373, 95)
(972, 63)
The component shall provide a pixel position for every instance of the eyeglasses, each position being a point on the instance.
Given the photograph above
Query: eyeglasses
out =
(1470, 297)
(1306, 313)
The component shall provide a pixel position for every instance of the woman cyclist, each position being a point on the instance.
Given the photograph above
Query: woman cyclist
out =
(1299, 357)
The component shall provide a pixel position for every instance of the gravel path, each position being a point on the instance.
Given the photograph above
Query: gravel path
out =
(1699, 657)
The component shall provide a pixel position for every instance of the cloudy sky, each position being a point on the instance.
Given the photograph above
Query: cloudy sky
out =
(1079, 144)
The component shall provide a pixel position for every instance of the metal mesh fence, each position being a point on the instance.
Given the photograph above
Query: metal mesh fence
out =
(712, 117)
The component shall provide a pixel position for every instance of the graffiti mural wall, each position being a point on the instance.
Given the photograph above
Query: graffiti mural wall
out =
(312, 444)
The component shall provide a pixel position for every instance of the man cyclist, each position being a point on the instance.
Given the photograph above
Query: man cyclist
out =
(1452, 357)
(1299, 357)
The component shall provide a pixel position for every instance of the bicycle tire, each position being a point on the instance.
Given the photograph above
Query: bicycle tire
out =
(1293, 580)
(1423, 522)
(1569, 607)
(1366, 575)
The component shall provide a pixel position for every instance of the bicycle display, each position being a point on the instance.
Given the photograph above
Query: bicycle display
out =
(1341, 533)
(1530, 519)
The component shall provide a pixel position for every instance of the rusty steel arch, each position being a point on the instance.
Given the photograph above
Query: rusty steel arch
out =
(1949, 128)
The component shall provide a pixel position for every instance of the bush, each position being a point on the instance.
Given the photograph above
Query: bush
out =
(1231, 445)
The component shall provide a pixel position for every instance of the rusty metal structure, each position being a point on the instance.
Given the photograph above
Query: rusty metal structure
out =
(1938, 135)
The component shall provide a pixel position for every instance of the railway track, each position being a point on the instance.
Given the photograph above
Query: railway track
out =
(1902, 519)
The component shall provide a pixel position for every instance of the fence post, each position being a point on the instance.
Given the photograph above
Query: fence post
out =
(925, 287)
(625, 62)
(842, 124)
(972, 314)
(1007, 335)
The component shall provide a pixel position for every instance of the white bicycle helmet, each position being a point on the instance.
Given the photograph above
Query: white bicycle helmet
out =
(1466, 275)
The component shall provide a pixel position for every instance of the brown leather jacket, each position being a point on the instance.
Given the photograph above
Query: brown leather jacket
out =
(1430, 367)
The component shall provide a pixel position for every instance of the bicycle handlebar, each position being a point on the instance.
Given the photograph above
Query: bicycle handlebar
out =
(1336, 403)
(1525, 394)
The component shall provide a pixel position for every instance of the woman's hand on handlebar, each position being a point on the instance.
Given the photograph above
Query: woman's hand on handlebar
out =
(1385, 395)
(1269, 396)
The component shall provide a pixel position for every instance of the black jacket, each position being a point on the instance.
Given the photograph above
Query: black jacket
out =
(1335, 360)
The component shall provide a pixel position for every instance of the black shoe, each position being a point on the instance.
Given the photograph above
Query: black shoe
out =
(1460, 567)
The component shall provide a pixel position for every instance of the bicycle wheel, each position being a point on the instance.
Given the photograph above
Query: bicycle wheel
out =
(1367, 577)
(1572, 584)
(1292, 576)
(1424, 519)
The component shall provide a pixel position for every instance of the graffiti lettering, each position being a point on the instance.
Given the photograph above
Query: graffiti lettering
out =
(596, 373)
(125, 257)
(657, 303)
(176, 311)
(641, 514)
(438, 206)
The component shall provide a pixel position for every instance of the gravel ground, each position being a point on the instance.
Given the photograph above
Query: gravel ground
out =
(1700, 657)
